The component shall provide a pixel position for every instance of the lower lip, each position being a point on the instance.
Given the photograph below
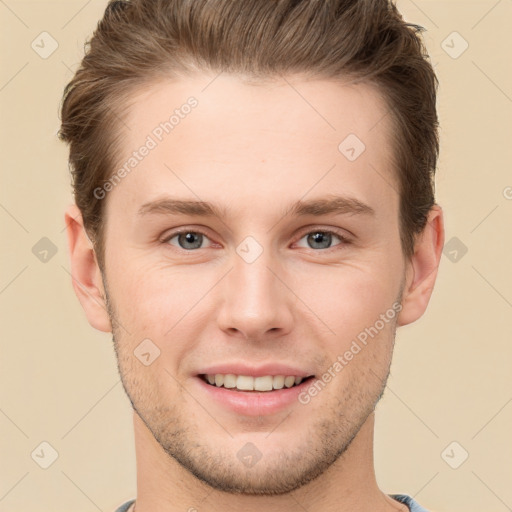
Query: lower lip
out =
(254, 403)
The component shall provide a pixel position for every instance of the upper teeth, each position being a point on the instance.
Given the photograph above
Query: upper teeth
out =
(248, 383)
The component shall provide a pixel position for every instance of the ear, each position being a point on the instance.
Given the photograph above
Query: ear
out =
(421, 271)
(85, 272)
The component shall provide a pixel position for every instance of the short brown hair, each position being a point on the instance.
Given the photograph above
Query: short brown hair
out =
(138, 41)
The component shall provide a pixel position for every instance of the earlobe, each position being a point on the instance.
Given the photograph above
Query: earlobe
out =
(85, 272)
(422, 268)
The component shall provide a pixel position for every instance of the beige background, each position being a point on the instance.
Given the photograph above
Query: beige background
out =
(451, 375)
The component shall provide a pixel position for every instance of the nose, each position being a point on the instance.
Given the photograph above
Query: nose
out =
(257, 304)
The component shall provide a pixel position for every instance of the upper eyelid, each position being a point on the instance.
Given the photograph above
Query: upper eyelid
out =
(179, 231)
(335, 231)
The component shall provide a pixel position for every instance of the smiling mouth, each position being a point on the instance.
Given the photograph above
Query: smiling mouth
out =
(247, 383)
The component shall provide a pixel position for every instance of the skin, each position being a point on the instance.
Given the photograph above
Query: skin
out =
(254, 150)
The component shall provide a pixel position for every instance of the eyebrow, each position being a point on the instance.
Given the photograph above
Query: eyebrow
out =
(316, 207)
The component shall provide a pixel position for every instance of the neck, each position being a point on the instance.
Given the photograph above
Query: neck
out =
(349, 484)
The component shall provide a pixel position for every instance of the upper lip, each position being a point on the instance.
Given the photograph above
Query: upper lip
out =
(254, 371)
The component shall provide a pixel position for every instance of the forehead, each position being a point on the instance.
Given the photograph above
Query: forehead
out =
(225, 138)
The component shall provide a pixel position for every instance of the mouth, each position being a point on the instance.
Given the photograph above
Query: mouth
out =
(265, 393)
(249, 384)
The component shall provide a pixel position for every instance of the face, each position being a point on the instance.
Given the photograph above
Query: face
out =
(295, 264)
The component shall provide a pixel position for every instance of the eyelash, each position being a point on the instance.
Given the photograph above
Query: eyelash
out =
(343, 239)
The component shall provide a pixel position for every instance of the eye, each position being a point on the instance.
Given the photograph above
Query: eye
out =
(187, 239)
(322, 239)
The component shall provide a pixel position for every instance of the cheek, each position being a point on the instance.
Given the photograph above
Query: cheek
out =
(155, 301)
(153, 297)
(348, 298)
(350, 301)
(165, 305)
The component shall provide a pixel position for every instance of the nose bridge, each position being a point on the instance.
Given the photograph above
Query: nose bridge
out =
(255, 300)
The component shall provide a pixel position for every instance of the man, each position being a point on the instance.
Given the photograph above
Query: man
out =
(254, 219)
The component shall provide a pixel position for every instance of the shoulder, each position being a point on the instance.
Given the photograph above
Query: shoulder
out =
(125, 506)
(413, 505)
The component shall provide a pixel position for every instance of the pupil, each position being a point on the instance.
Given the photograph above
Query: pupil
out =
(321, 238)
(189, 239)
